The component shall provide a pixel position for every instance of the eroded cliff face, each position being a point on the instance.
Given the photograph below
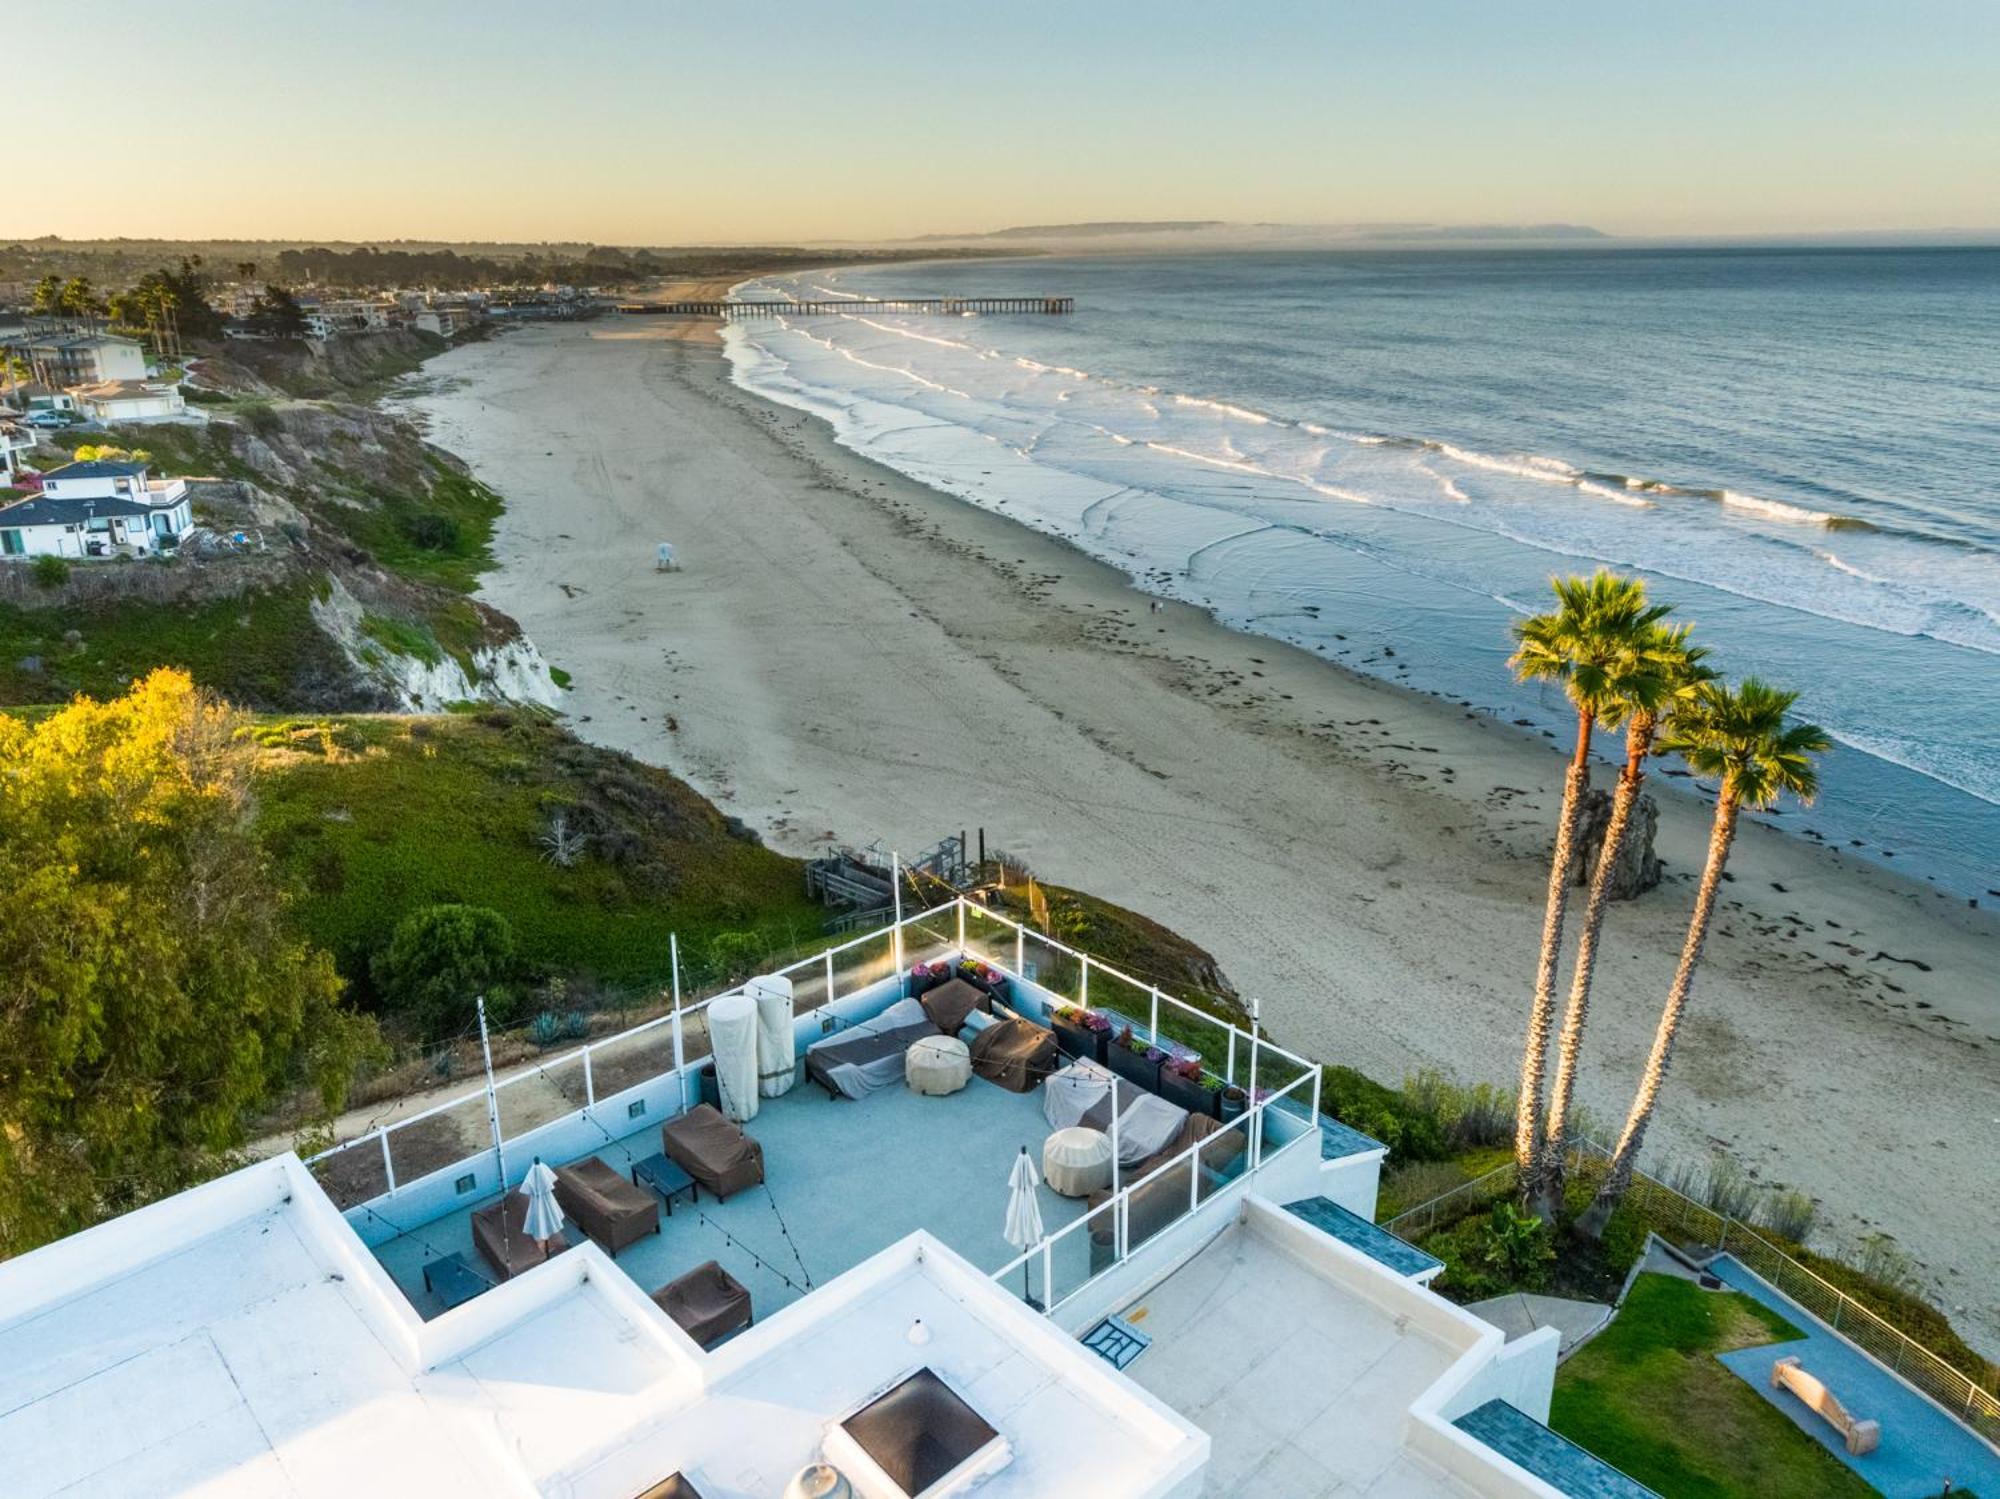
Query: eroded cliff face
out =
(336, 550)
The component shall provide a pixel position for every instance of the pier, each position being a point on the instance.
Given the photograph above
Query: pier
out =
(730, 311)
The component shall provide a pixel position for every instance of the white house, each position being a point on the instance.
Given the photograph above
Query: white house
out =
(131, 401)
(81, 359)
(98, 509)
(15, 440)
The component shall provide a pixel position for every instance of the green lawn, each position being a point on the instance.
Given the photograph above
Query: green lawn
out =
(407, 812)
(1650, 1398)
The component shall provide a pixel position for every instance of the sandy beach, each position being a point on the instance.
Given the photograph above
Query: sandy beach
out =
(849, 656)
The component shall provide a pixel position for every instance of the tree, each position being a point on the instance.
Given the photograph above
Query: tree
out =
(276, 313)
(440, 960)
(152, 1000)
(1659, 672)
(79, 298)
(47, 301)
(1593, 628)
(1741, 738)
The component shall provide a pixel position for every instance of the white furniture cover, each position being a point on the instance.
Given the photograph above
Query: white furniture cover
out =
(732, 1031)
(777, 1050)
(1077, 1161)
(1146, 1122)
(937, 1065)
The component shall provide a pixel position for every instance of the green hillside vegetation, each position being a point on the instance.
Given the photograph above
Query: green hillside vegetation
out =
(1649, 1397)
(373, 818)
(261, 649)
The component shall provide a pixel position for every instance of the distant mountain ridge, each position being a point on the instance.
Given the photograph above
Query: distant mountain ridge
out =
(1224, 232)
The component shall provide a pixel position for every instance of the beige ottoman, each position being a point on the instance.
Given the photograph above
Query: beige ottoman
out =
(1077, 1161)
(937, 1065)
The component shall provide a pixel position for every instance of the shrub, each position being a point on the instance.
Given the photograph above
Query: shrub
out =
(545, 1030)
(1790, 1215)
(1516, 1244)
(734, 956)
(439, 960)
(433, 531)
(50, 571)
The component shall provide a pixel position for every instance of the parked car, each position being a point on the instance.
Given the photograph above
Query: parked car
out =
(48, 418)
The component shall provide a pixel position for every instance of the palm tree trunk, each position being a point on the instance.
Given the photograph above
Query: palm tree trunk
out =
(1542, 1013)
(1546, 1200)
(1626, 1154)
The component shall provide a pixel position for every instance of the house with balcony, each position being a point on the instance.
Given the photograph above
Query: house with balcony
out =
(97, 509)
(123, 401)
(60, 360)
(894, 1222)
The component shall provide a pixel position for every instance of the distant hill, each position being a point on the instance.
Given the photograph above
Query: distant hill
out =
(1222, 234)
(1081, 231)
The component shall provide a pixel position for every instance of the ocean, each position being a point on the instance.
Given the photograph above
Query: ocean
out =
(1383, 456)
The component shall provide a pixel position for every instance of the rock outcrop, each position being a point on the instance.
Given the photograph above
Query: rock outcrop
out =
(1638, 868)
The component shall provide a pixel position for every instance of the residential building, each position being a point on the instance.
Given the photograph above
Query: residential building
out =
(97, 509)
(66, 359)
(1219, 1317)
(447, 320)
(114, 401)
(15, 440)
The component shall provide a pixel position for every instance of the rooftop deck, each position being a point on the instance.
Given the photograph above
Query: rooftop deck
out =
(843, 1180)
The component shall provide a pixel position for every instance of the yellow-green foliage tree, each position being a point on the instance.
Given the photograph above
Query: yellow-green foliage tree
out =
(151, 998)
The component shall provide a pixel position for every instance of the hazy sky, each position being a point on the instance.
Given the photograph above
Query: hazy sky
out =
(662, 122)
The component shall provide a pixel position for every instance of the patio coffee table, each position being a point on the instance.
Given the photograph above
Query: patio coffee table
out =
(455, 1280)
(666, 1178)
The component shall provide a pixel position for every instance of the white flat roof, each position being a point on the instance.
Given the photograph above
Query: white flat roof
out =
(239, 1340)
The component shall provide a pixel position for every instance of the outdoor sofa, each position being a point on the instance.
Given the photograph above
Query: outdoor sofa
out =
(605, 1205)
(713, 1150)
(500, 1231)
(1157, 1203)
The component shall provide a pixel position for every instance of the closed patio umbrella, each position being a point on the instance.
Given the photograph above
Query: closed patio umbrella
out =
(545, 1219)
(1024, 1210)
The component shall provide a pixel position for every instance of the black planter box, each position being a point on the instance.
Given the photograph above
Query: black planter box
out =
(1191, 1096)
(1133, 1066)
(1079, 1040)
(920, 984)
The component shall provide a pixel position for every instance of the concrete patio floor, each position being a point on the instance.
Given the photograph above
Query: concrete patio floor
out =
(842, 1181)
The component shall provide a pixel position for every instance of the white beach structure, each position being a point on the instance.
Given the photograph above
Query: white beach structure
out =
(312, 1327)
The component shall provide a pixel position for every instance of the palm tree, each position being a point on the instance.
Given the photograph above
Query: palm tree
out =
(1595, 621)
(1740, 737)
(1661, 673)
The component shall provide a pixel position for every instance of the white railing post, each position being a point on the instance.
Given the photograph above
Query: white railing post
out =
(1048, 1275)
(1020, 951)
(388, 1166)
(1229, 1072)
(896, 906)
(1083, 986)
(961, 926)
(829, 975)
(680, 1050)
(589, 1085)
(1153, 1026)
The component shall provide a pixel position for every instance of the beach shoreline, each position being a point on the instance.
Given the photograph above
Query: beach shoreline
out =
(849, 654)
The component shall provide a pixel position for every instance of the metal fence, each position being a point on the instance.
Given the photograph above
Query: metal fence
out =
(377, 1163)
(1674, 1215)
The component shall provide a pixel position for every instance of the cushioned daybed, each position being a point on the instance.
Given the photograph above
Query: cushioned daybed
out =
(606, 1206)
(869, 1056)
(713, 1150)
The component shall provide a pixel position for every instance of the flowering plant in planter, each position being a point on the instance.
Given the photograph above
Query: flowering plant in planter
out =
(929, 970)
(1187, 1069)
(1153, 1054)
(1211, 1083)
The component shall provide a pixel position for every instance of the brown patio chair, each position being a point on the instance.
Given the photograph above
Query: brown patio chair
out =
(605, 1205)
(1015, 1053)
(705, 1303)
(949, 1003)
(713, 1150)
(500, 1230)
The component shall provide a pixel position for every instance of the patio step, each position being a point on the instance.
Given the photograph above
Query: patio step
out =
(1556, 1460)
(1355, 1231)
